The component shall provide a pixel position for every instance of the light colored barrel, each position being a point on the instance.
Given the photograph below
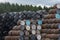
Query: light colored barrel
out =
(22, 22)
(38, 36)
(33, 32)
(39, 27)
(27, 28)
(27, 33)
(33, 27)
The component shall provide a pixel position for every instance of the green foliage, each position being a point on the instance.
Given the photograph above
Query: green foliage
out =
(7, 7)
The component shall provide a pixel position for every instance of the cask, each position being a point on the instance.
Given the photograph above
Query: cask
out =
(50, 31)
(49, 26)
(14, 33)
(16, 28)
(12, 37)
(50, 35)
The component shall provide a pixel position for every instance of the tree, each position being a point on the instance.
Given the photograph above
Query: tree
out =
(39, 8)
(4, 7)
(45, 8)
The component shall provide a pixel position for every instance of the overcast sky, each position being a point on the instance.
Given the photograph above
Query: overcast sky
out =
(33, 2)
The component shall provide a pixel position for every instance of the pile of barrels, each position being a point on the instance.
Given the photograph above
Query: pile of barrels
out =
(27, 28)
(9, 20)
(25, 32)
(48, 29)
(34, 26)
(51, 26)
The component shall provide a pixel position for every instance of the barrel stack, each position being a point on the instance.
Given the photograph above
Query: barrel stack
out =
(50, 29)
(27, 28)
(24, 32)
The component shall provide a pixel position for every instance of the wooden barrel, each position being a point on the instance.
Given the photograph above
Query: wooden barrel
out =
(49, 39)
(51, 21)
(18, 22)
(48, 21)
(14, 33)
(52, 11)
(16, 28)
(57, 21)
(33, 21)
(12, 37)
(50, 31)
(49, 26)
(45, 39)
(49, 16)
(50, 35)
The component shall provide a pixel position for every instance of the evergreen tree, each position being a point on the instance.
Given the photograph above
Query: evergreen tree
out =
(7, 7)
